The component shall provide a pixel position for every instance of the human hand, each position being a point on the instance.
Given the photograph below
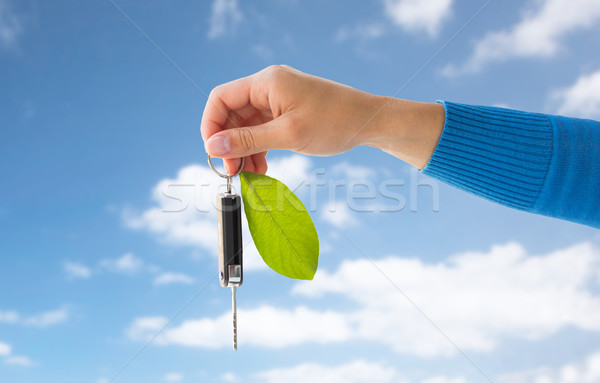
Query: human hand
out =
(283, 108)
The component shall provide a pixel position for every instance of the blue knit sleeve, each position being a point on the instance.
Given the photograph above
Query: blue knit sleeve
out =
(534, 162)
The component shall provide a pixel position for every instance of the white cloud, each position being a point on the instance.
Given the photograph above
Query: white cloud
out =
(10, 25)
(354, 172)
(184, 210)
(128, 264)
(77, 270)
(582, 99)
(361, 32)
(587, 371)
(413, 16)
(144, 328)
(9, 316)
(477, 300)
(17, 360)
(356, 185)
(358, 371)
(264, 326)
(48, 318)
(339, 215)
(444, 379)
(184, 213)
(293, 170)
(173, 377)
(5, 349)
(538, 34)
(263, 52)
(170, 278)
(44, 319)
(230, 377)
(417, 15)
(226, 15)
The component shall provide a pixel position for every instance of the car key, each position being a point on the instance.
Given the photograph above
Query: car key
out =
(229, 218)
(229, 209)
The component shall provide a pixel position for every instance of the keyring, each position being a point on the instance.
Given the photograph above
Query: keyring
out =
(226, 175)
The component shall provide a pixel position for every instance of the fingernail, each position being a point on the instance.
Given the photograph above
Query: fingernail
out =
(218, 145)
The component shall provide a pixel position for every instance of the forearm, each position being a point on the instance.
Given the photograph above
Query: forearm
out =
(405, 129)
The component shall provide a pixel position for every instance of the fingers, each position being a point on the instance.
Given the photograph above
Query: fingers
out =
(260, 163)
(248, 93)
(257, 163)
(240, 121)
(221, 101)
(249, 140)
(233, 164)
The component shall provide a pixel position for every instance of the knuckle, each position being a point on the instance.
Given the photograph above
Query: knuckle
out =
(276, 71)
(273, 68)
(215, 93)
(246, 139)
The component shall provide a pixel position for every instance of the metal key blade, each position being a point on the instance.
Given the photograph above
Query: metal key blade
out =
(234, 307)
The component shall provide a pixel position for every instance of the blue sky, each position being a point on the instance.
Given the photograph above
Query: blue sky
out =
(100, 132)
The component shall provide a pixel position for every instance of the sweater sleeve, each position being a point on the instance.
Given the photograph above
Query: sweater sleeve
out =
(539, 163)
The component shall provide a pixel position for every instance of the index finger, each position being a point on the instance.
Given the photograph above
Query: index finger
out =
(230, 97)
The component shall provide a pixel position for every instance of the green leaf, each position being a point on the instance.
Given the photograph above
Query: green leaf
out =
(282, 230)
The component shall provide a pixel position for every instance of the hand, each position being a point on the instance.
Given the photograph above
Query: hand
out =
(283, 108)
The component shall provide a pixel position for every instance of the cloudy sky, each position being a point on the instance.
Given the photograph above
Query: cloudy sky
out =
(107, 218)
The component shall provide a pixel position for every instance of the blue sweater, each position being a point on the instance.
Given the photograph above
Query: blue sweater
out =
(534, 162)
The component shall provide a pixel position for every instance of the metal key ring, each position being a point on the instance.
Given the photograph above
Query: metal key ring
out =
(242, 162)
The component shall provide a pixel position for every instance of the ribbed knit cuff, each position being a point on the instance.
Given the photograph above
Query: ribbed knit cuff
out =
(499, 154)
(572, 187)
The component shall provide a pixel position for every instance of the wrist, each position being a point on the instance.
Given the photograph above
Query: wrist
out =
(405, 129)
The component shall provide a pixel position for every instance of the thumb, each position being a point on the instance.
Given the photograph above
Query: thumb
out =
(248, 140)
